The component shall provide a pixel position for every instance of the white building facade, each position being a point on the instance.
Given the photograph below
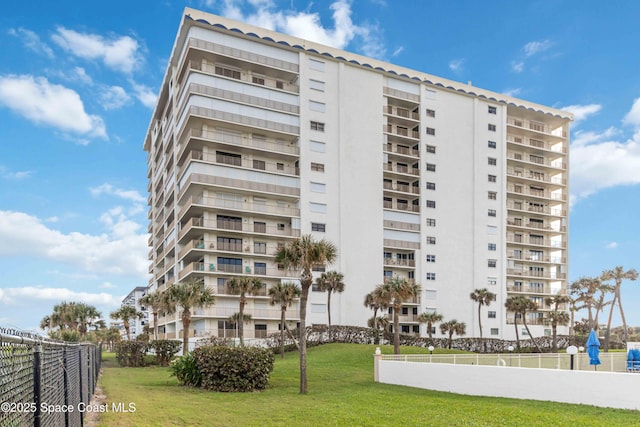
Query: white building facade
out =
(136, 325)
(259, 137)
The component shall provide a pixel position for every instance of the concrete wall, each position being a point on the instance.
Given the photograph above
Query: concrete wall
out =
(605, 389)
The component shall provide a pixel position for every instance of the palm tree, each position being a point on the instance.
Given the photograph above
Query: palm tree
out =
(284, 294)
(126, 313)
(155, 301)
(520, 305)
(187, 295)
(376, 301)
(618, 275)
(453, 327)
(482, 297)
(331, 281)
(430, 318)
(398, 290)
(234, 319)
(584, 289)
(556, 317)
(302, 255)
(242, 286)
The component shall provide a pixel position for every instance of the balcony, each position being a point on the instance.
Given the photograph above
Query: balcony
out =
(555, 210)
(254, 164)
(255, 313)
(395, 205)
(518, 222)
(401, 131)
(550, 259)
(530, 322)
(403, 113)
(399, 225)
(537, 160)
(394, 262)
(238, 205)
(403, 188)
(243, 120)
(536, 273)
(543, 194)
(536, 176)
(214, 267)
(535, 241)
(527, 289)
(403, 169)
(401, 150)
(537, 144)
(536, 127)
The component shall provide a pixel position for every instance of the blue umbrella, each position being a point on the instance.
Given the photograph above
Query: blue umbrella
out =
(593, 348)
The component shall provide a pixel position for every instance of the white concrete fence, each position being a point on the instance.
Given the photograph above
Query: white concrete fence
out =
(475, 375)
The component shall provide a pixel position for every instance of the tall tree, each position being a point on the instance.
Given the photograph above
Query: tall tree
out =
(398, 290)
(618, 275)
(482, 297)
(584, 290)
(156, 302)
(557, 317)
(71, 319)
(243, 286)
(302, 255)
(126, 313)
(520, 306)
(187, 295)
(330, 282)
(430, 318)
(376, 301)
(453, 327)
(284, 295)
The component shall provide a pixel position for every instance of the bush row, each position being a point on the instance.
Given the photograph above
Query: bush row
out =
(132, 353)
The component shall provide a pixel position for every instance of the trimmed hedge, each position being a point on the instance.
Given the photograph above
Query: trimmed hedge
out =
(165, 350)
(234, 368)
(131, 353)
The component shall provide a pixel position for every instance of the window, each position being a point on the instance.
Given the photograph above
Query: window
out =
(431, 149)
(320, 107)
(411, 274)
(317, 207)
(388, 273)
(318, 147)
(319, 126)
(431, 203)
(494, 331)
(258, 227)
(431, 131)
(431, 240)
(492, 178)
(491, 246)
(491, 315)
(317, 167)
(492, 195)
(492, 281)
(493, 110)
(492, 161)
(316, 85)
(280, 166)
(318, 187)
(258, 80)
(259, 164)
(228, 158)
(260, 247)
(315, 226)
(314, 64)
(227, 72)
(230, 265)
(318, 308)
(431, 222)
(279, 84)
(492, 144)
(431, 185)
(492, 263)
(431, 276)
(431, 258)
(229, 244)
(260, 267)
(318, 268)
(492, 128)
(431, 167)
(431, 113)
(492, 212)
(280, 227)
(492, 229)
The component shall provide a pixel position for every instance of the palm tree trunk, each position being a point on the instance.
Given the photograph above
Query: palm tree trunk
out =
(282, 326)
(396, 330)
(186, 322)
(305, 285)
(241, 321)
(429, 326)
(450, 338)
(127, 328)
(515, 322)
(554, 343)
(607, 335)
(524, 321)
(624, 321)
(480, 326)
(329, 313)
(155, 325)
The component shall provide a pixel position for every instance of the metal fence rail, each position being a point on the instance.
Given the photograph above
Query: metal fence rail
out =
(43, 382)
(611, 362)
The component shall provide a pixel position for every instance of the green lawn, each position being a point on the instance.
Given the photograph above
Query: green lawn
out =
(341, 393)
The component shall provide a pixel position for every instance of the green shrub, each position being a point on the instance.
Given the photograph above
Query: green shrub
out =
(234, 368)
(165, 350)
(185, 370)
(131, 353)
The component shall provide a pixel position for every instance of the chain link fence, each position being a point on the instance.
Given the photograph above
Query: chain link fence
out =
(43, 382)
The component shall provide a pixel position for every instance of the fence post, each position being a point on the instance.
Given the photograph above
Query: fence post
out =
(376, 365)
(65, 382)
(37, 383)
(79, 348)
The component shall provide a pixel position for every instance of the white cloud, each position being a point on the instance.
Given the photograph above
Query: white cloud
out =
(456, 65)
(114, 97)
(512, 92)
(11, 295)
(144, 94)
(119, 53)
(581, 112)
(109, 189)
(611, 245)
(534, 47)
(517, 66)
(633, 116)
(40, 101)
(119, 252)
(398, 51)
(32, 41)
(79, 74)
(308, 26)
(18, 175)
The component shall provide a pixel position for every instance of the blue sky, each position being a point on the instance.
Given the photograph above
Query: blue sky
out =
(78, 82)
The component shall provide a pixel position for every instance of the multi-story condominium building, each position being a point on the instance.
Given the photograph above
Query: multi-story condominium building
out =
(136, 325)
(259, 137)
